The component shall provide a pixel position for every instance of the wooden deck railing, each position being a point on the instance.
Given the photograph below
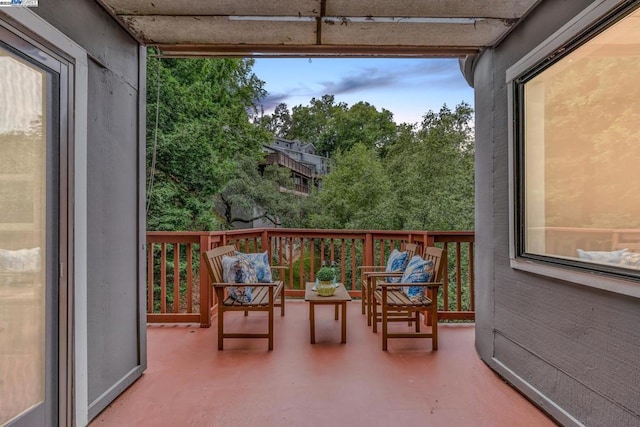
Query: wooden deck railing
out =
(179, 287)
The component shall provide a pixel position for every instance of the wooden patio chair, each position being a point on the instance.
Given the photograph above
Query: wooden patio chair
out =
(263, 298)
(367, 272)
(397, 307)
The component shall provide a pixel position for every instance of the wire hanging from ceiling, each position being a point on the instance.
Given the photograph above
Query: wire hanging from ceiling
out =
(155, 137)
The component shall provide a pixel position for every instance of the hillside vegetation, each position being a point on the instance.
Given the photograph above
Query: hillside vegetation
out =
(205, 131)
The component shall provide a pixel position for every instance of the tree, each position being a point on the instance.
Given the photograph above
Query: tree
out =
(363, 123)
(251, 195)
(279, 123)
(433, 172)
(425, 182)
(203, 109)
(316, 123)
(356, 194)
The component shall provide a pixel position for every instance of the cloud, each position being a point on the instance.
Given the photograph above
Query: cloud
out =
(441, 72)
(426, 74)
(366, 80)
(272, 100)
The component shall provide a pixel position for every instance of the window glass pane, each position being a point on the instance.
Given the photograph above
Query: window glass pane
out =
(582, 151)
(22, 236)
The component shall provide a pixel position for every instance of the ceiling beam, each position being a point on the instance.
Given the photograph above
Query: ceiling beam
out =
(314, 51)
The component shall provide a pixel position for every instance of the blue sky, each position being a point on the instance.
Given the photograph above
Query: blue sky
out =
(406, 87)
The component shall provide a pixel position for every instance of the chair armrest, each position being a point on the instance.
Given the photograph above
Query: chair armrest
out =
(279, 270)
(420, 284)
(382, 275)
(372, 267)
(253, 285)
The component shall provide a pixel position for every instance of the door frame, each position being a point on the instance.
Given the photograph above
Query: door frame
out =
(73, 364)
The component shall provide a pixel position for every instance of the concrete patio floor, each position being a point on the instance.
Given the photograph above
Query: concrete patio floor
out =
(189, 382)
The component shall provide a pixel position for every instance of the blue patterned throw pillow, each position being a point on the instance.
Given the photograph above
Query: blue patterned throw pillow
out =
(630, 259)
(259, 262)
(614, 257)
(418, 271)
(396, 263)
(238, 270)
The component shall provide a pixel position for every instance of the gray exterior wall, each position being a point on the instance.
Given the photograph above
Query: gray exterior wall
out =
(116, 340)
(572, 349)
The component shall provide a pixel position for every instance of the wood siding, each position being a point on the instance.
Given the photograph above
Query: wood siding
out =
(572, 349)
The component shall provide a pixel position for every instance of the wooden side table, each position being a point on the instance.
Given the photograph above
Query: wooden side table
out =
(339, 298)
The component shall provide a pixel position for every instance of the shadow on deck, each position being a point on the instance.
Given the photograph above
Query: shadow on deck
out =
(188, 382)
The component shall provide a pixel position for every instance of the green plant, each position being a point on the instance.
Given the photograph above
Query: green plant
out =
(326, 274)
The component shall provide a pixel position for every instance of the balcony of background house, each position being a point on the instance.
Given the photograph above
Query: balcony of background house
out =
(298, 383)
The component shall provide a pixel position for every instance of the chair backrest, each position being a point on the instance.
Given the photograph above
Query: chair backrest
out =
(436, 255)
(410, 249)
(213, 260)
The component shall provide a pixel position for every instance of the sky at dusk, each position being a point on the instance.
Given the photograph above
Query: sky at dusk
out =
(406, 87)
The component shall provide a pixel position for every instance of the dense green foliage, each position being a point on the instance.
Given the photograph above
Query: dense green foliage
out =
(332, 127)
(199, 114)
(386, 176)
(253, 194)
(204, 146)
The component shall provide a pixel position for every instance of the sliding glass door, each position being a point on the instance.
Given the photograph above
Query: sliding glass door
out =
(31, 193)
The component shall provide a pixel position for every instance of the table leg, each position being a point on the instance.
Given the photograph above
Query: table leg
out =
(344, 322)
(312, 322)
(336, 309)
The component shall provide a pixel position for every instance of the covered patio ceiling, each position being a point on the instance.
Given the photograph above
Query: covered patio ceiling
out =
(426, 28)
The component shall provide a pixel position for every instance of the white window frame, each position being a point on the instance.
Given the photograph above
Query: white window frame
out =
(586, 23)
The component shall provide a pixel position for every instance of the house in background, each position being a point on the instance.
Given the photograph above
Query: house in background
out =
(307, 170)
(555, 91)
(307, 167)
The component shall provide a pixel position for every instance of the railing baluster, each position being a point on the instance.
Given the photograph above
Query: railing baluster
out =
(342, 262)
(472, 305)
(353, 264)
(301, 265)
(150, 286)
(458, 277)
(445, 279)
(176, 278)
(312, 263)
(291, 285)
(333, 258)
(163, 279)
(189, 277)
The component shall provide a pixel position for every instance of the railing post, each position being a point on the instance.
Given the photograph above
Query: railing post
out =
(205, 285)
(264, 242)
(430, 240)
(368, 249)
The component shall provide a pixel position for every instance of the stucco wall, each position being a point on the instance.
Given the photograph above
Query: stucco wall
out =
(573, 349)
(115, 356)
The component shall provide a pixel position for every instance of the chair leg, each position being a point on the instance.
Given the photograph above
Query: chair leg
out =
(282, 302)
(270, 319)
(370, 301)
(385, 316)
(374, 314)
(434, 327)
(363, 299)
(417, 321)
(220, 319)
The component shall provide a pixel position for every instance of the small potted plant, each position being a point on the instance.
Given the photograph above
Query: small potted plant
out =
(326, 277)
